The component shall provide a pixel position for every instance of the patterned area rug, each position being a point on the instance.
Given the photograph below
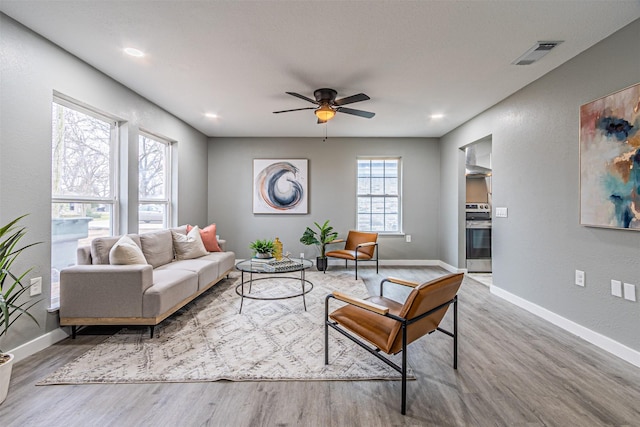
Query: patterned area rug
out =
(208, 340)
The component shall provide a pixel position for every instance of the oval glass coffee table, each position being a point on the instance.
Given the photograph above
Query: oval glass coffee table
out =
(274, 271)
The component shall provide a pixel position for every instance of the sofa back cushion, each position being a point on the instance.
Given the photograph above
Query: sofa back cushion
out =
(190, 245)
(101, 246)
(157, 247)
(126, 252)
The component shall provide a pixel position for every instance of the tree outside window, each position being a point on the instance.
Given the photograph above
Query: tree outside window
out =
(83, 148)
(154, 187)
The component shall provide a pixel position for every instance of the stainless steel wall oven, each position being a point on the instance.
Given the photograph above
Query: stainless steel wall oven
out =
(478, 237)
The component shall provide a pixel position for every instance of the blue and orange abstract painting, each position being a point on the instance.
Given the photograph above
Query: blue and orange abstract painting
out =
(280, 186)
(610, 160)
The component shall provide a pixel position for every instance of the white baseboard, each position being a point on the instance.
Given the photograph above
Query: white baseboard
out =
(37, 344)
(620, 350)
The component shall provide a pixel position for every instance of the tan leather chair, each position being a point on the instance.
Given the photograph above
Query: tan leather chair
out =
(359, 246)
(389, 326)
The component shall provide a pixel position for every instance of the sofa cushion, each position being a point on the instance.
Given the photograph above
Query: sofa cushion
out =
(126, 252)
(207, 270)
(225, 260)
(209, 238)
(170, 288)
(157, 247)
(101, 246)
(188, 246)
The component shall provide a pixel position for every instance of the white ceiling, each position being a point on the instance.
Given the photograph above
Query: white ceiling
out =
(237, 58)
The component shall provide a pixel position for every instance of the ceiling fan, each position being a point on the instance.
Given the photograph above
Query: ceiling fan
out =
(328, 105)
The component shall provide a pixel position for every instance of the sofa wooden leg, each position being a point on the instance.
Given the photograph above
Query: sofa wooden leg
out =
(151, 329)
(73, 332)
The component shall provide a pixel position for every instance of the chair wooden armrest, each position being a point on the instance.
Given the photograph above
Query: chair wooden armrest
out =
(336, 241)
(358, 302)
(402, 282)
(367, 244)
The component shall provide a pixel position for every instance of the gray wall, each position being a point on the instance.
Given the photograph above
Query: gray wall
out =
(32, 69)
(536, 175)
(332, 189)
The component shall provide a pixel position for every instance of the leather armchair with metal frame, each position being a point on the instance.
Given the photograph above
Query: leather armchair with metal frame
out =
(381, 324)
(359, 246)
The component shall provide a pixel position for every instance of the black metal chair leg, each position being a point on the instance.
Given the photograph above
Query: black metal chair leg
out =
(403, 409)
(356, 268)
(455, 333)
(326, 331)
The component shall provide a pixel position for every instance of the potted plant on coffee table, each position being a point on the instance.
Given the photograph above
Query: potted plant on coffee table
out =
(11, 290)
(323, 236)
(262, 248)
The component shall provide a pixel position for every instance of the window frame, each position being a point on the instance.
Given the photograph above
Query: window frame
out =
(112, 199)
(385, 195)
(168, 176)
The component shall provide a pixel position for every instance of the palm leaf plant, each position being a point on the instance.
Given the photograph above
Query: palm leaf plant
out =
(11, 286)
(320, 238)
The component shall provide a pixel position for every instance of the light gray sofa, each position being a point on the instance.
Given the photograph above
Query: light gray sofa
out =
(94, 292)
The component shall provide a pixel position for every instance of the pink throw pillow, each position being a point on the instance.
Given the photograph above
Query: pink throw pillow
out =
(209, 239)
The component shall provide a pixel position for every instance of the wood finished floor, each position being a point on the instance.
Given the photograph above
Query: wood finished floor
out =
(514, 370)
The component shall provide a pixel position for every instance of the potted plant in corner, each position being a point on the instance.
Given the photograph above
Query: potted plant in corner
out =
(11, 290)
(320, 238)
(262, 248)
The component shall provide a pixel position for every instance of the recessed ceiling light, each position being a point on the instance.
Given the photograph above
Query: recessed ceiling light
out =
(437, 116)
(211, 115)
(134, 52)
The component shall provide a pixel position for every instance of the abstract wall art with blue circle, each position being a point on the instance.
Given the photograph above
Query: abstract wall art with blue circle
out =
(280, 186)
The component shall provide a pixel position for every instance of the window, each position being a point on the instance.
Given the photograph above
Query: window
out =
(379, 195)
(83, 183)
(154, 183)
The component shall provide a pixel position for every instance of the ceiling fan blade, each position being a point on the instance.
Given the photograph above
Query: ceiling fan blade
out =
(351, 99)
(295, 109)
(360, 113)
(297, 95)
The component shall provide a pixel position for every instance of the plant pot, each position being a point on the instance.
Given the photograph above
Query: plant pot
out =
(5, 376)
(263, 255)
(322, 264)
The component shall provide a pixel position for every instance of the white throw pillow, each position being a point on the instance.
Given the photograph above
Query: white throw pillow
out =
(190, 245)
(126, 252)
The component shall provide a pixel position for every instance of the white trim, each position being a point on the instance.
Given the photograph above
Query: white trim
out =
(451, 268)
(37, 344)
(617, 349)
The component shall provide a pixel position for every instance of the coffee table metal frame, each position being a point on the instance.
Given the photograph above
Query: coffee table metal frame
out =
(247, 266)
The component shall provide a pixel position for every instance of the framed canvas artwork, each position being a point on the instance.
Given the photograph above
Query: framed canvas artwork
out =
(610, 160)
(280, 186)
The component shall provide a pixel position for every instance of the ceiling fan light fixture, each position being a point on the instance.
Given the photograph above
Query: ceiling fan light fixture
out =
(325, 113)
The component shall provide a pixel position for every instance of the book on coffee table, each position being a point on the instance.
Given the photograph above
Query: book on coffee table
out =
(263, 260)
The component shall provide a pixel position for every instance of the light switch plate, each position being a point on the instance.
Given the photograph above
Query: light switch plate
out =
(629, 292)
(502, 212)
(616, 288)
(579, 277)
(36, 286)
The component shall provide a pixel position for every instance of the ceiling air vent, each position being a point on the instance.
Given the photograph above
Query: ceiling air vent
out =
(538, 50)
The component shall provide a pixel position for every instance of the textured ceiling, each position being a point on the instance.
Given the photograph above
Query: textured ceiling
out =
(237, 58)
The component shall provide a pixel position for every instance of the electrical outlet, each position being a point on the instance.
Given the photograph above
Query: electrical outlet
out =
(36, 286)
(407, 238)
(579, 277)
(616, 288)
(629, 292)
(301, 255)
